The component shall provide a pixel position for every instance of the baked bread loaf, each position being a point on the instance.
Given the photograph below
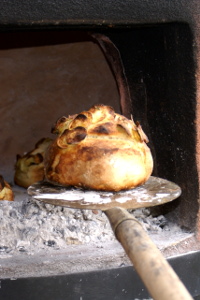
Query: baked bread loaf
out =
(6, 192)
(29, 168)
(98, 149)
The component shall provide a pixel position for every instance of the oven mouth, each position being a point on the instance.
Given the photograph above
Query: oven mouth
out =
(158, 43)
(157, 62)
(156, 72)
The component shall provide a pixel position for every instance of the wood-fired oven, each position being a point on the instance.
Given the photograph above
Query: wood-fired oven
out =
(142, 58)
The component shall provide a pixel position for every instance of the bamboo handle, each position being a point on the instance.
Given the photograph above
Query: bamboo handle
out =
(156, 273)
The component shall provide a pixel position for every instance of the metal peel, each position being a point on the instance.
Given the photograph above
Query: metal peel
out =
(154, 192)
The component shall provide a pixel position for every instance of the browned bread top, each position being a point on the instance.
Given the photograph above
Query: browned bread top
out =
(98, 149)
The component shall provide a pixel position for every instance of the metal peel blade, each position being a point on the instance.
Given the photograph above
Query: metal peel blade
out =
(154, 192)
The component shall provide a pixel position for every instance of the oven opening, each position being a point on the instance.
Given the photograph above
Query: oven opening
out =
(48, 74)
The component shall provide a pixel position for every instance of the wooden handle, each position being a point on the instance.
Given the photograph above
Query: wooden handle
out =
(156, 273)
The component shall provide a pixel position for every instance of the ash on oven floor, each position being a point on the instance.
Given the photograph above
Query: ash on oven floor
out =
(29, 226)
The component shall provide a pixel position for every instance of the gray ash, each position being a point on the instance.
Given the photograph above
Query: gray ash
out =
(28, 226)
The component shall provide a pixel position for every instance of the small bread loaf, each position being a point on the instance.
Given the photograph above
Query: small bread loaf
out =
(98, 149)
(6, 192)
(29, 168)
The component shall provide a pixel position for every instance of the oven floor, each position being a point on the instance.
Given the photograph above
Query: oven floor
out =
(42, 240)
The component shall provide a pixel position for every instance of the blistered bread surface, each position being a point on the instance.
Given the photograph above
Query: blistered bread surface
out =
(98, 149)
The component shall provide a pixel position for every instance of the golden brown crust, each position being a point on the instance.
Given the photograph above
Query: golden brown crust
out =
(29, 168)
(6, 192)
(100, 150)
